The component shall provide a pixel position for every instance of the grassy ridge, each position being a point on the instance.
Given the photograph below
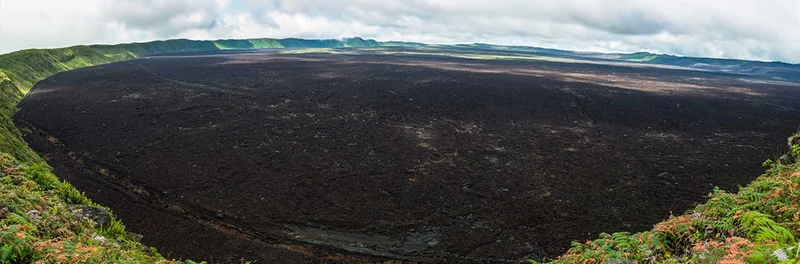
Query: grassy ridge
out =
(10, 139)
(19, 71)
(248, 44)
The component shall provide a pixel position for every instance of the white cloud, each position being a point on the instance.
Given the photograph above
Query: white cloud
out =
(750, 29)
(164, 18)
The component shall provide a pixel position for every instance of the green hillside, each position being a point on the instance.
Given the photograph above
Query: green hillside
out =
(248, 44)
(402, 44)
(640, 57)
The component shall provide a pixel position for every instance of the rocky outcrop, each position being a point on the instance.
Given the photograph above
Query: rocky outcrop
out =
(100, 216)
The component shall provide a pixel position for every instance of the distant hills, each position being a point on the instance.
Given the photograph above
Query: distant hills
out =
(773, 70)
(185, 45)
(766, 70)
(760, 69)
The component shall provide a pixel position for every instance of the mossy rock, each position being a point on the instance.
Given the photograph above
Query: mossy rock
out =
(794, 140)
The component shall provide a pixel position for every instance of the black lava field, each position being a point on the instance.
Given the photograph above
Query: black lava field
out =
(412, 156)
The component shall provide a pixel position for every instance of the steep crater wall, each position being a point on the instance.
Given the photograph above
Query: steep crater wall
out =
(409, 157)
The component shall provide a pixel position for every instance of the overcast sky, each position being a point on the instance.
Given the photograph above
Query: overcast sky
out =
(746, 29)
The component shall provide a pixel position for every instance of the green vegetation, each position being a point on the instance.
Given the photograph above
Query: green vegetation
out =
(37, 224)
(640, 57)
(10, 138)
(248, 44)
(759, 224)
(309, 51)
(19, 71)
(402, 44)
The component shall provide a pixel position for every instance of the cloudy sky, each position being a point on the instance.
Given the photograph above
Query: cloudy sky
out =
(747, 29)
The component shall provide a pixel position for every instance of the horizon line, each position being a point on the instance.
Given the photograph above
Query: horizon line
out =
(423, 43)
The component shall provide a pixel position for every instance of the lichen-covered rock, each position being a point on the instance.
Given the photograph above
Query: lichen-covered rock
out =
(134, 237)
(34, 214)
(794, 140)
(99, 216)
(786, 159)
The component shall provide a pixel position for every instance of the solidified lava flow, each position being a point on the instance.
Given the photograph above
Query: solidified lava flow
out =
(294, 158)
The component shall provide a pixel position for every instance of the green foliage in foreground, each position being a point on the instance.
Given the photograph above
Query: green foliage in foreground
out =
(759, 224)
(36, 224)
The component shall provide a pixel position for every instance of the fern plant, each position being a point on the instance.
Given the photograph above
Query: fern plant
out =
(761, 228)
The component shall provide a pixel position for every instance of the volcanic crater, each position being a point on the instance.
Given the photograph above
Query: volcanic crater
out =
(398, 154)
